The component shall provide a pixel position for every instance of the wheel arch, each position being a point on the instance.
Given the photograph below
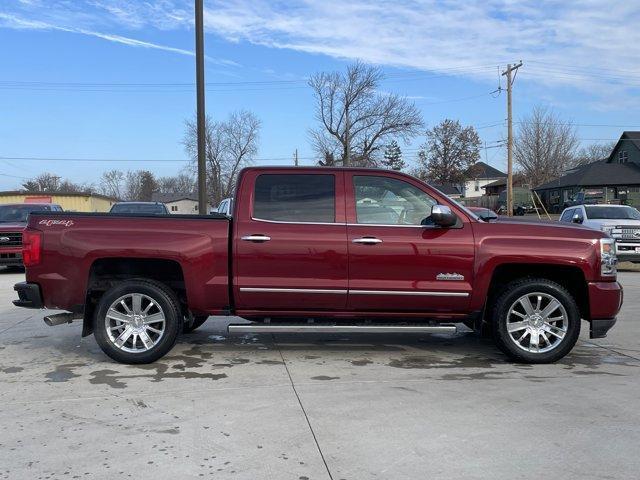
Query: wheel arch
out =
(570, 277)
(106, 272)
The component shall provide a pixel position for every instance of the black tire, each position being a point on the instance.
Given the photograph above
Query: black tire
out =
(514, 291)
(162, 296)
(196, 321)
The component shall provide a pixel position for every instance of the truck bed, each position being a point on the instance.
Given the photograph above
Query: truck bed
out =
(192, 249)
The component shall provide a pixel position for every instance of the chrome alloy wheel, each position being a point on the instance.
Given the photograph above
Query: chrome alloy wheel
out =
(135, 323)
(537, 322)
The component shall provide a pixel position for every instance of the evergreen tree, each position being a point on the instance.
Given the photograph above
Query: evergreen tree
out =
(393, 157)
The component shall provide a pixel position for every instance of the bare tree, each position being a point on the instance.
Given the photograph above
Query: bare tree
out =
(230, 146)
(545, 146)
(112, 183)
(49, 182)
(449, 151)
(593, 153)
(356, 120)
(181, 183)
(139, 185)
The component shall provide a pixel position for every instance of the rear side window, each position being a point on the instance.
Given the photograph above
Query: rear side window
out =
(567, 215)
(295, 198)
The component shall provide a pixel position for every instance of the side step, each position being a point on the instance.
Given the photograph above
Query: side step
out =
(275, 328)
(60, 318)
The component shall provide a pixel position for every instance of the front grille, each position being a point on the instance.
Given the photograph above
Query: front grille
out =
(10, 239)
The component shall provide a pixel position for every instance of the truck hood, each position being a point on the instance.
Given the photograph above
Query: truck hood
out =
(612, 222)
(12, 226)
(539, 229)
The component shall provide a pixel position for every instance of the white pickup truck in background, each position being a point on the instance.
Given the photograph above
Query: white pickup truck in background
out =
(621, 222)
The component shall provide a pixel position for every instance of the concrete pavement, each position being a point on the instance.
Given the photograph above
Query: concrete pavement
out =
(315, 406)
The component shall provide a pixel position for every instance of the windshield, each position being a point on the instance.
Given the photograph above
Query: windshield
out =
(617, 213)
(148, 208)
(19, 213)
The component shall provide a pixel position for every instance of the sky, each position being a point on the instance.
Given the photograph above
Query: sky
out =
(91, 85)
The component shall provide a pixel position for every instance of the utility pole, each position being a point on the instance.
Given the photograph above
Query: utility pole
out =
(507, 73)
(347, 157)
(200, 113)
(295, 158)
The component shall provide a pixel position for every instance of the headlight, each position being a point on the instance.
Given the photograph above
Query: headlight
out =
(608, 259)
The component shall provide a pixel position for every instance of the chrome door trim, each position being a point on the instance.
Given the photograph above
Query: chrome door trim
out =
(296, 223)
(291, 290)
(409, 292)
(389, 225)
(355, 292)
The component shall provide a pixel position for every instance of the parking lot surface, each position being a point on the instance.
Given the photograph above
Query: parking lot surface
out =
(315, 406)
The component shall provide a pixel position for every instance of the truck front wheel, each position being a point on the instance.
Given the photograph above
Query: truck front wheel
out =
(536, 321)
(137, 321)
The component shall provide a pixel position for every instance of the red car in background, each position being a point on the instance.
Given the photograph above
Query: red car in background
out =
(13, 220)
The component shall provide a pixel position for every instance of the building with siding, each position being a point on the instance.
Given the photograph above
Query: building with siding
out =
(183, 203)
(615, 179)
(69, 201)
(478, 176)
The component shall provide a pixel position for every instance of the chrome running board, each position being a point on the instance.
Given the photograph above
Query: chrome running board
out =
(276, 328)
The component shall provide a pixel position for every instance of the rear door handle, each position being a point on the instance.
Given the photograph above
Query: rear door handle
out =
(256, 238)
(367, 240)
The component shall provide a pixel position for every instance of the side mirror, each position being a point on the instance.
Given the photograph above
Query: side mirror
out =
(443, 216)
(487, 215)
(576, 218)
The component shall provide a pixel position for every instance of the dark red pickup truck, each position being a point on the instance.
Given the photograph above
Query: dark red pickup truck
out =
(322, 249)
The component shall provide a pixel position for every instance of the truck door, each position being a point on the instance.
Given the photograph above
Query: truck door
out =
(397, 263)
(290, 242)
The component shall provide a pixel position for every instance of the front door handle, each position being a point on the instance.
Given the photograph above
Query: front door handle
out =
(367, 240)
(258, 238)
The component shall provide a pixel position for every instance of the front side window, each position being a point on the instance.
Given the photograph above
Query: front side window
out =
(567, 215)
(388, 201)
(295, 198)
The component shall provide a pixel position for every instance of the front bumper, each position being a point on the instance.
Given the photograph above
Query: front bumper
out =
(599, 328)
(11, 258)
(605, 301)
(29, 295)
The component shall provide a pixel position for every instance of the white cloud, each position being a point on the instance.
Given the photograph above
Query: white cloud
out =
(19, 23)
(436, 35)
(581, 43)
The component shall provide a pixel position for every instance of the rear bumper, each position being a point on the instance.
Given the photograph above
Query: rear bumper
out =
(29, 295)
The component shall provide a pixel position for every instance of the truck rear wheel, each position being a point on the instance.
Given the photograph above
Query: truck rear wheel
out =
(536, 321)
(137, 321)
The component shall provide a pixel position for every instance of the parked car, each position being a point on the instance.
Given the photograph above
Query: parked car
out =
(156, 208)
(302, 243)
(621, 222)
(521, 202)
(483, 213)
(225, 207)
(13, 220)
(584, 197)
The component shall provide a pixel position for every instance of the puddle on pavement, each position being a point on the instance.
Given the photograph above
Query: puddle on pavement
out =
(214, 357)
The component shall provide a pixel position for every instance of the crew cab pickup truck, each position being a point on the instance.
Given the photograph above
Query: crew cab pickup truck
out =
(621, 222)
(322, 250)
